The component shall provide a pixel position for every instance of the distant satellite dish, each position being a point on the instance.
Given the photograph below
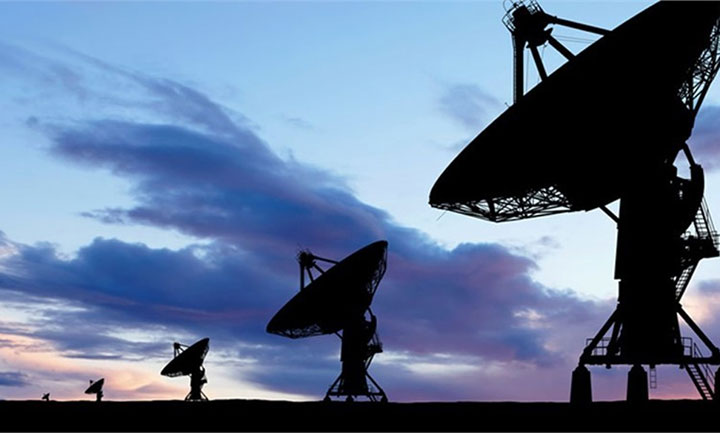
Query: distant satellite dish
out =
(96, 388)
(46, 397)
(188, 361)
(338, 300)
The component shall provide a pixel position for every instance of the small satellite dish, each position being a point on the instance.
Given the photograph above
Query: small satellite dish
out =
(338, 300)
(96, 388)
(46, 397)
(188, 361)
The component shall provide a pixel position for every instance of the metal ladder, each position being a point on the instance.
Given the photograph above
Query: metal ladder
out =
(700, 374)
(684, 279)
(704, 231)
(703, 224)
(700, 381)
(653, 377)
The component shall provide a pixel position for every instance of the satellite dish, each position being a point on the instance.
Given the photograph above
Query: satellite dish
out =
(608, 125)
(338, 300)
(46, 397)
(96, 388)
(188, 361)
(611, 114)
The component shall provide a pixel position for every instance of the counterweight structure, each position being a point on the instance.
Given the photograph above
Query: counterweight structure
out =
(607, 125)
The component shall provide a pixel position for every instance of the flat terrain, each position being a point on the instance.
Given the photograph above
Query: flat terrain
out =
(259, 415)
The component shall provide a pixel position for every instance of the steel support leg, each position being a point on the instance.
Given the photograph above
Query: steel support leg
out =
(698, 332)
(637, 387)
(581, 386)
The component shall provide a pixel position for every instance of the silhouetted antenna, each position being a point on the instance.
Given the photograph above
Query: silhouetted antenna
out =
(96, 388)
(607, 125)
(338, 300)
(528, 24)
(188, 361)
(46, 397)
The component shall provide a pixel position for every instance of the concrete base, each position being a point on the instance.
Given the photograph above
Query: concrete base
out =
(581, 386)
(637, 387)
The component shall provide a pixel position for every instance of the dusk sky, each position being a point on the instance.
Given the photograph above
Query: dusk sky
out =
(163, 162)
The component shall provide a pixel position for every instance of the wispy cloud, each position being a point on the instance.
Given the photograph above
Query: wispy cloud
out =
(468, 105)
(298, 122)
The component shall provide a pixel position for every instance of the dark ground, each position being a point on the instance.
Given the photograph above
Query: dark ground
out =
(259, 415)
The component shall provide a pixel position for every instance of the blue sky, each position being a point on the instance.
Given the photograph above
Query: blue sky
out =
(164, 161)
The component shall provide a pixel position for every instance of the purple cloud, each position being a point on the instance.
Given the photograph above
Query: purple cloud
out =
(204, 172)
(233, 194)
(705, 141)
(210, 187)
(13, 378)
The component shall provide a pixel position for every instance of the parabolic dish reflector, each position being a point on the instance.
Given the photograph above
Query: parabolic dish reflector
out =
(189, 361)
(95, 387)
(597, 124)
(341, 292)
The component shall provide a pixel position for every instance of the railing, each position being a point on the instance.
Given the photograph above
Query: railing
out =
(706, 370)
(374, 347)
(687, 344)
(691, 350)
(601, 348)
(704, 224)
(704, 243)
(511, 5)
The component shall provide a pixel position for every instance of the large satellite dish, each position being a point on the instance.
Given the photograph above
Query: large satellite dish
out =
(608, 125)
(612, 113)
(338, 301)
(188, 361)
(96, 387)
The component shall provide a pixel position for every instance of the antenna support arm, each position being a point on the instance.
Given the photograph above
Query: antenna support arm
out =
(560, 47)
(538, 62)
(576, 25)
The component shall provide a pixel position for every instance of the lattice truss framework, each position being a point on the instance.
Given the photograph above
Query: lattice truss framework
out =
(702, 73)
(535, 203)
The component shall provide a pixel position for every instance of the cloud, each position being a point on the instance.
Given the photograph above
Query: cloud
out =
(13, 378)
(199, 168)
(298, 122)
(113, 281)
(705, 140)
(209, 187)
(468, 105)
